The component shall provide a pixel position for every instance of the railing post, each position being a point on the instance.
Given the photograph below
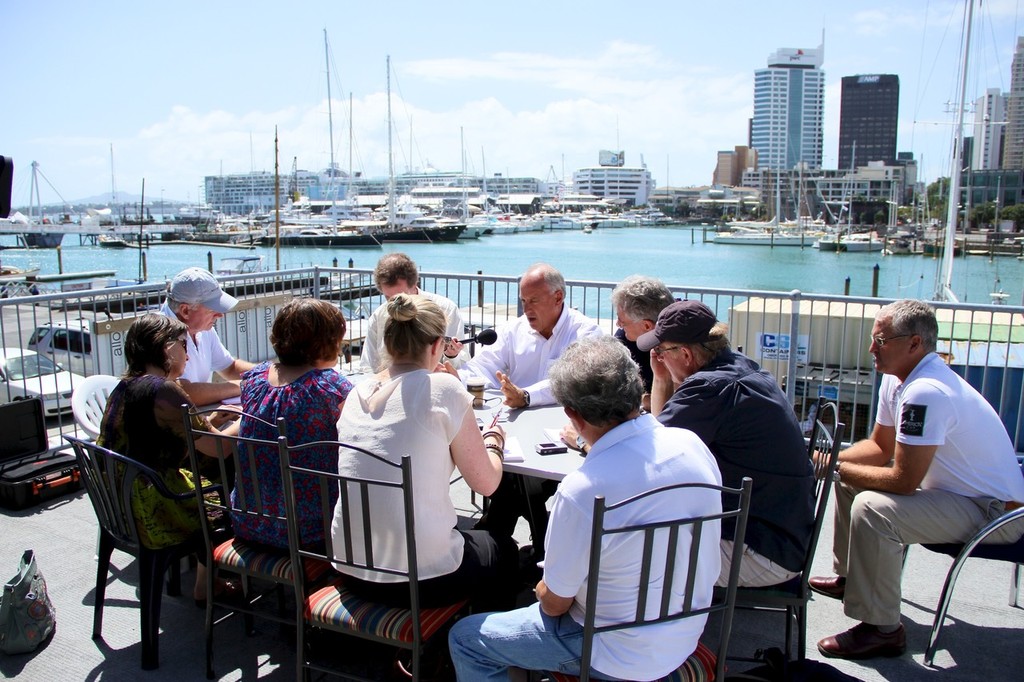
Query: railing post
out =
(316, 282)
(794, 345)
(480, 291)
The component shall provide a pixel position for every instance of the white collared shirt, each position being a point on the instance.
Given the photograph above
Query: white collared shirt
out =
(526, 356)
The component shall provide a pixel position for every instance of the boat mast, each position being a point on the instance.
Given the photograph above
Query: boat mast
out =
(330, 117)
(113, 185)
(462, 180)
(944, 291)
(277, 206)
(33, 196)
(391, 161)
(348, 191)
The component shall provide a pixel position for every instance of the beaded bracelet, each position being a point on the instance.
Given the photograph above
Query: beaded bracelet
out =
(496, 450)
(497, 435)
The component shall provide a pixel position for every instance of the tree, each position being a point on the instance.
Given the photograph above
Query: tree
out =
(937, 197)
(983, 214)
(1014, 213)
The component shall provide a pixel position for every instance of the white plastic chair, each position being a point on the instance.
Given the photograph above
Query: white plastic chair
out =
(89, 400)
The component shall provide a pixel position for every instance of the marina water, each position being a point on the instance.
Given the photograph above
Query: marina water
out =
(677, 255)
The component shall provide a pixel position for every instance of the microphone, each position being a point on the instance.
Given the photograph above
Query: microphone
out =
(484, 338)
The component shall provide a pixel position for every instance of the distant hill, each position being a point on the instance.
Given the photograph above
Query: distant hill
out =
(103, 201)
(121, 198)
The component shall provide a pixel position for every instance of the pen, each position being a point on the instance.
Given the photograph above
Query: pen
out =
(495, 420)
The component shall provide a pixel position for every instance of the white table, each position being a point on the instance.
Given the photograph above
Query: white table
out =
(527, 426)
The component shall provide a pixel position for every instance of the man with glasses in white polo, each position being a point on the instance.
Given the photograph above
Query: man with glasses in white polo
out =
(195, 298)
(937, 466)
(742, 415)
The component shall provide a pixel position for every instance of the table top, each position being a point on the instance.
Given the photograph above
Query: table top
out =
(527, 427)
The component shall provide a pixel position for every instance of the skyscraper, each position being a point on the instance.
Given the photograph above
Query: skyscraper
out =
(989, 122)
(1013, 143)
(789, 107)
(869, 109)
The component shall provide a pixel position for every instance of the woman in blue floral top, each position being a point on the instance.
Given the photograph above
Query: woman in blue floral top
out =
(303, 387)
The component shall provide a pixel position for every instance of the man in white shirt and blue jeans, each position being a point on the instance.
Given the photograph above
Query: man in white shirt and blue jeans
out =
(599, 386)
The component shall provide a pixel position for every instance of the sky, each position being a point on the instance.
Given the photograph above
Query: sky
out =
(113, 94)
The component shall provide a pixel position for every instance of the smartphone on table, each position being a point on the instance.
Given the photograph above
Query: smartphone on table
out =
(551, 448)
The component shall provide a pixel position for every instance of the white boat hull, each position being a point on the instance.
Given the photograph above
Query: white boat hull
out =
(763, 239)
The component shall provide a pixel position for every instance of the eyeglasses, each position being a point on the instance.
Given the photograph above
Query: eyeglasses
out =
(880, 341)
(183, 342)
(661, 351)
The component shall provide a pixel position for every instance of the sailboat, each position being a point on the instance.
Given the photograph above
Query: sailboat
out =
(423, 229)
(331, 228)
(773, 233)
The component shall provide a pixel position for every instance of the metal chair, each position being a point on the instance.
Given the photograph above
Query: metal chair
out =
(334, 607)
(976, 547)
(702, 664)
(236, 461)
(792, 596)
(110, 480)
(89, 400)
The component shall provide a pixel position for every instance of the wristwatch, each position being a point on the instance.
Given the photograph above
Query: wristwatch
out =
(581, 444)
(836, 477)
(526, 398)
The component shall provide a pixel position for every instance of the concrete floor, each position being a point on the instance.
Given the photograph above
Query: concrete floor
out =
(981, 641)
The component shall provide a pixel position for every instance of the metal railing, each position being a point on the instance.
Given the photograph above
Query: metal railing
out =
(813, 344)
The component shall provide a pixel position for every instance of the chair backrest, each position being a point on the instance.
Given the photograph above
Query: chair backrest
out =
(379, 481)
(826, 439)
(109, 479)
(236, 459)
(89, 400)
(674, 541)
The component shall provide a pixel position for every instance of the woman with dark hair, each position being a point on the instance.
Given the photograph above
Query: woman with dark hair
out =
(303, 387)
(143, 421)
(414, 406)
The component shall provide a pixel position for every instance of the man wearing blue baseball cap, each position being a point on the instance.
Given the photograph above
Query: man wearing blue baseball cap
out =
(195, 297)
(742, 415)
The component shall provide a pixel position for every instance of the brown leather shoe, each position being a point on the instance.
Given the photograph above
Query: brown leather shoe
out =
(864, 641)
(832, 586)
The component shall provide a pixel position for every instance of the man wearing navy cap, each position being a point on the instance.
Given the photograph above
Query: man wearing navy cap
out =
(742, 415)
(194, 296)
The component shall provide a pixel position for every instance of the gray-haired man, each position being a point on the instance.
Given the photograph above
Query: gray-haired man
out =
(599, 387)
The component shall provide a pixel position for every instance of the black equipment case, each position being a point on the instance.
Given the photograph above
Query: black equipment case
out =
(29, 472)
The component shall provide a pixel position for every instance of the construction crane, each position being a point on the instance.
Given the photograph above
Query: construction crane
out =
(293, 184)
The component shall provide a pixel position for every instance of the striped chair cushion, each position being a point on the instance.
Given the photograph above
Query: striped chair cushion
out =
(699, 667)
(335, 606)
(236, 555)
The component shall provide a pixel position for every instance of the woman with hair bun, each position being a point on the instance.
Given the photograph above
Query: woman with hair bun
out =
(414, 407)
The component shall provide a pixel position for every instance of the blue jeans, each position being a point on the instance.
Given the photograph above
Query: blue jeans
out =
(484, 646)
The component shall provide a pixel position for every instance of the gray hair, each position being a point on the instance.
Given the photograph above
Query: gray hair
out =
(596, 378)
(641, 298)
(552, 277)
(910, 316)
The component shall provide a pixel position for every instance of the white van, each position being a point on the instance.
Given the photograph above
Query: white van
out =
(68, 343)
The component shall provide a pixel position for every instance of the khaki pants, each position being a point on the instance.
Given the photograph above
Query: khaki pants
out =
(872, 529)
